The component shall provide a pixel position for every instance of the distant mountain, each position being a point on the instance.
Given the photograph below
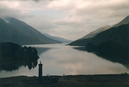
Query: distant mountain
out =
(93, 36)
(59, 39)
(93, 33)
(18, 31)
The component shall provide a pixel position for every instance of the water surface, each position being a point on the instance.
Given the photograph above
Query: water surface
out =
(59, 59)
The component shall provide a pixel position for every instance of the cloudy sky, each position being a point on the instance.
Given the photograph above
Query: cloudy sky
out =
(70, 19)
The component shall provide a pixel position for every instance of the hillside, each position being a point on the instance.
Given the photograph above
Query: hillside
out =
(124, 21)
(114, 34)
(19, 32)
(93, 33)
(8, 33)
(111, 44)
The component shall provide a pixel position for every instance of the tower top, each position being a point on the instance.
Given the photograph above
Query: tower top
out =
(40, 62)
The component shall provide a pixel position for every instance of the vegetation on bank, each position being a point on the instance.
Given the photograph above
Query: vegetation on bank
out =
(12, 56)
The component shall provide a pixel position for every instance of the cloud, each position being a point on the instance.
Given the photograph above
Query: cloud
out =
(41, 23)
(104, 9)
(42, 0)
(67, 18)
(89, 15)
(36, 0)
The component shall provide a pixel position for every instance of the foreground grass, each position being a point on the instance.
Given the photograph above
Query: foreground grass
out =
(113, 80)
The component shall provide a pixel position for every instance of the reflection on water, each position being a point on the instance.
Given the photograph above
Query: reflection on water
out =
(13, 56)
(59, 59)
(111, 57)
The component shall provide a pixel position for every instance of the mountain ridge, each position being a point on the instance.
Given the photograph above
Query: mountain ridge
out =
(20, 32)
(124, 21)
(83, 41)
(111, 44)
(93, 33)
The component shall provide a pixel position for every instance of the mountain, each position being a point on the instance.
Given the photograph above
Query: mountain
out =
(117, 35)
(8, 33)
(111, 44)
(93, 33)
(93, 36)
(18, 31)
(124, 21)
(59, 39)
(81, 41)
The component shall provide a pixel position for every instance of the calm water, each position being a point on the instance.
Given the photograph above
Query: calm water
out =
(59, 59)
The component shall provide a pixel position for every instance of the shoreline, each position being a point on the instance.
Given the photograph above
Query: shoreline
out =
(67, 75)
(97, 80)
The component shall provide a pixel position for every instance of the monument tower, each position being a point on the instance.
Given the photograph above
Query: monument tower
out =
(40, 69)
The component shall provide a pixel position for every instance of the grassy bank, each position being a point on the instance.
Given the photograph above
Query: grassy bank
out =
(112, 80)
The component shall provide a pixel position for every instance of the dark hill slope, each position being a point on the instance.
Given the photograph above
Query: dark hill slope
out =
(124, 21)
(30, 31)
(19, 32)
(116, 34)
(93, 33)
(111, 44)
(8, 33)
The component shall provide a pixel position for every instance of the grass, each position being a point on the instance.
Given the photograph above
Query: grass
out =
(112, 80)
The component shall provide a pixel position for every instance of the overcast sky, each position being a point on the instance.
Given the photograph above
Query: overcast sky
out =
(70, 19)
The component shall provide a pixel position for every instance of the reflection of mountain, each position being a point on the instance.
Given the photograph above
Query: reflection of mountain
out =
(14, 30)
(111, 57)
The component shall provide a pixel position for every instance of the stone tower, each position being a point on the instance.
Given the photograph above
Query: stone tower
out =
(40, 69)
